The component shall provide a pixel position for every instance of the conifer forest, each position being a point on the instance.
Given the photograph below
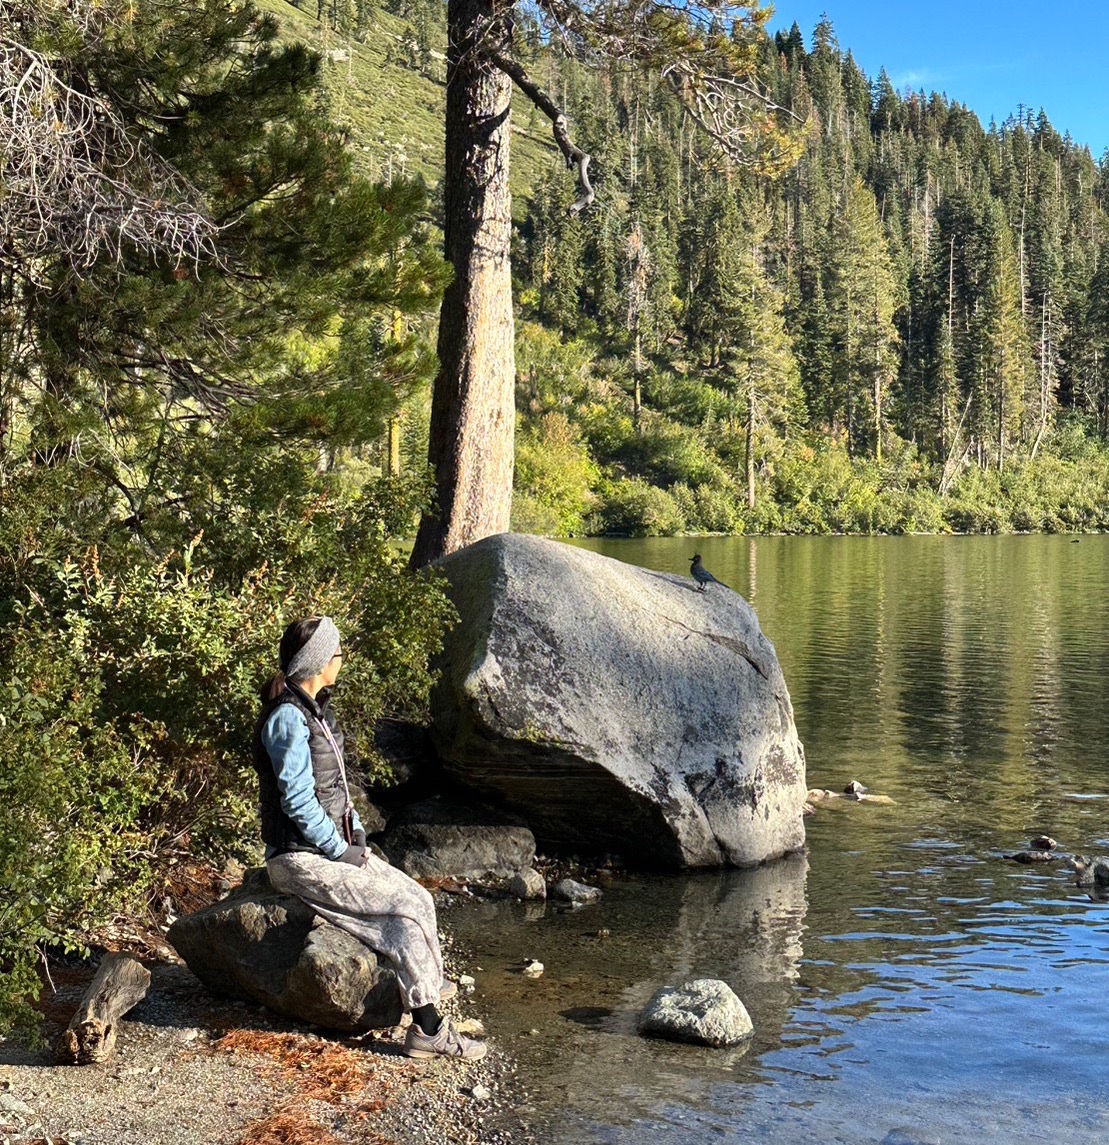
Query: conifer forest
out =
(905, 331)
(899, 327)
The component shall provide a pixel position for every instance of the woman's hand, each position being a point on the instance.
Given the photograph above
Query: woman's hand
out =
(354, 855)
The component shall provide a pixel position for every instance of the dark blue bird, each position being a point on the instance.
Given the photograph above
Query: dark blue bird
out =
(701, 574)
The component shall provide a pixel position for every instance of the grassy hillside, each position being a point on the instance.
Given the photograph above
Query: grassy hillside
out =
(395, 113)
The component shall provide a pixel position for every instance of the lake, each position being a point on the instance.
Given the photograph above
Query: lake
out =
(906, 982)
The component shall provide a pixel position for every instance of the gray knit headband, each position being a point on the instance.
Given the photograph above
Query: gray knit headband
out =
(316, 654)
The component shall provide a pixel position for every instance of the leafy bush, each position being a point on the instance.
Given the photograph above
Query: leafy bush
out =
(631, 507)
(132, 695)
(554, 478)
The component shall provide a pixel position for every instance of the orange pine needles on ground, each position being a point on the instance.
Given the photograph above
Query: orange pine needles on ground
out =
(287, 1126)
(319, 1071)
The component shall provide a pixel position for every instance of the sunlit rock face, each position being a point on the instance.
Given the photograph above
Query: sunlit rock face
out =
(618, 710)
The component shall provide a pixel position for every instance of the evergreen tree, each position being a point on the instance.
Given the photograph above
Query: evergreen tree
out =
(1002, 359)
(130, 364)
(863, 299)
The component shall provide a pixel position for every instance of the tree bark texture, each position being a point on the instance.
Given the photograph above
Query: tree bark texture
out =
(120, 982)
(473, 410)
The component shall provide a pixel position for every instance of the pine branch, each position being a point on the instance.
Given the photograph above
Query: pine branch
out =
(76, 182)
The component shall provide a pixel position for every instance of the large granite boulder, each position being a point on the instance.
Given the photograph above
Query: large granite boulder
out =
(617, 709)
(437, 839)
(261, 945)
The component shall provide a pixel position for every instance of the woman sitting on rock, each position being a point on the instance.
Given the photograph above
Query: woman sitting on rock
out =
(315, 844)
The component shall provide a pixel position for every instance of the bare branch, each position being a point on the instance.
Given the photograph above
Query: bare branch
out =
(704, 50)
(76, 183)
(575, 156)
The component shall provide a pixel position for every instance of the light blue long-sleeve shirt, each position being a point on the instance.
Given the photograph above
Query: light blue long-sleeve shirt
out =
(285, 738)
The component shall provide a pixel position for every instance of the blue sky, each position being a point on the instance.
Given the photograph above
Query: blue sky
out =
(989, 55)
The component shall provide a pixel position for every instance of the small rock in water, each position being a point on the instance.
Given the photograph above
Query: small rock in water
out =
(480, 1093)
(855, 788)
(532, 968)
(904, 1137)
(705, 1011)
(465, 982)
(528, 884)
(1091, 874)
(1034, 857)
(1043, 843)
(577, 894)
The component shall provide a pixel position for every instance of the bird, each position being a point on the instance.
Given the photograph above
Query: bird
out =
(701, 574)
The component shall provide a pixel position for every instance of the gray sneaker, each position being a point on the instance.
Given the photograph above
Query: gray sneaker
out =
(447, 1042)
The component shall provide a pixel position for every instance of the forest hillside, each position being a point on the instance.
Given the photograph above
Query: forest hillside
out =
(904, 332)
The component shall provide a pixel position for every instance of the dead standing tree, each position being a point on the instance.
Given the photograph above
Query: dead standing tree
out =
(706, 54)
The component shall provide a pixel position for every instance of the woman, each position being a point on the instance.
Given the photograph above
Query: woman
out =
(315, 844)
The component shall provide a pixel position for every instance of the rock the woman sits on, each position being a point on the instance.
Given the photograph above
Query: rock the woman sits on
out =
(316, 846)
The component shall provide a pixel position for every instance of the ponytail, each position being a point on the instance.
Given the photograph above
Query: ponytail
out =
(272, 688)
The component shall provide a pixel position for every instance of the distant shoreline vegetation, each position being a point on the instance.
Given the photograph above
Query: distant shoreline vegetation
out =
(821, 491)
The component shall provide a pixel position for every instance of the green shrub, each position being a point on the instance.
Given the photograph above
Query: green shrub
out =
(631, 507)
(554, 478)
(131, 694)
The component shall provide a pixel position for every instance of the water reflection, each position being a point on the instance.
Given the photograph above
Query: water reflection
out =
(744, 927)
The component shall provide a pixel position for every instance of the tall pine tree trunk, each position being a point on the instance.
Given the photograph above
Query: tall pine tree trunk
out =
(751, 440)
(473, 408)
(637, 384)
(393, 447)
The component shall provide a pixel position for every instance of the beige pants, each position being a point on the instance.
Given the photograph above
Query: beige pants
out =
(380, 905)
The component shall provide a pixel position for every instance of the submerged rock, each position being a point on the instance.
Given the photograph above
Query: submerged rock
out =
(528, 884)
(617, 708)
(705, 1011)
(818, 795)
(575, 893)
(1091, 875)
(271, 948)
(1034, 857)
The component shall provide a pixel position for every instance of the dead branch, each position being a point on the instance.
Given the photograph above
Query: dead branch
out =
(950, 465)
(120, 982)
(691, 46)
(77, 184)
(575, 156)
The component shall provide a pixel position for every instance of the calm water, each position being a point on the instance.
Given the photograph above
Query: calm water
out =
(906, 983)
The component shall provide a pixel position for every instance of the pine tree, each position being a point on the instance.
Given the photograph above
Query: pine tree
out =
(863, 299)
(139, 365)
(1003, 351)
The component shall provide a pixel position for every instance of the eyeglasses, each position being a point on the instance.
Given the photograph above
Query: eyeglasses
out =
(338, 655)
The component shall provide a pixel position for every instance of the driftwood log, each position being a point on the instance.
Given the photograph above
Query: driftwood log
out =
(120, 982)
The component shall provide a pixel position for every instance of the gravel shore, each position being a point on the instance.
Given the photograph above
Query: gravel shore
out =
(193, 1069)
